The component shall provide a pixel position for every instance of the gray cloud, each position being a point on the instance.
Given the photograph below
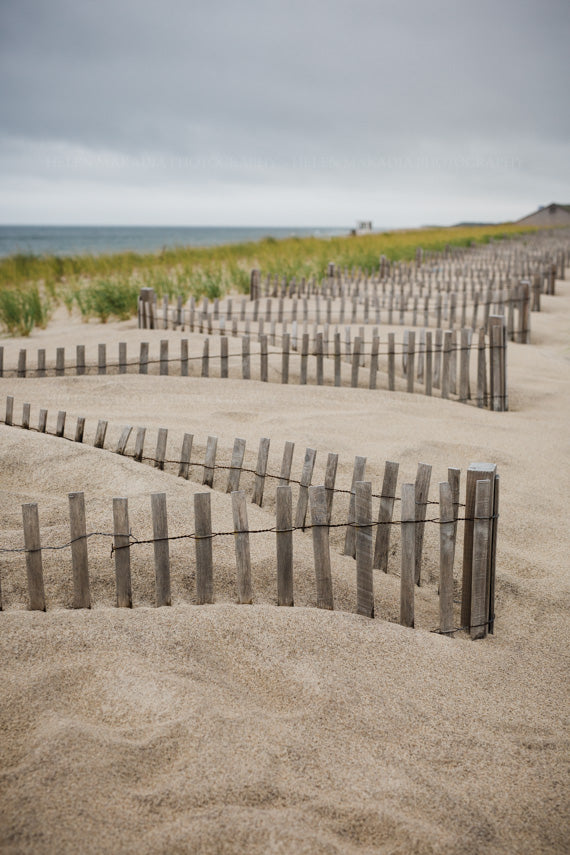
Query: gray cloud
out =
(441, 105)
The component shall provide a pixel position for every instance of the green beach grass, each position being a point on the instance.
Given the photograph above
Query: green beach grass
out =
(106, 286)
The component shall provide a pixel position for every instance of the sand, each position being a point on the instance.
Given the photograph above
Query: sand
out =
(254, 729)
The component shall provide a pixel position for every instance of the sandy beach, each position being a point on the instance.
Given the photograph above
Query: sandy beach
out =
(250, 728)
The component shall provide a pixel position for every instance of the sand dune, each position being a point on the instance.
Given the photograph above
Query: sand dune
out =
(231, 729)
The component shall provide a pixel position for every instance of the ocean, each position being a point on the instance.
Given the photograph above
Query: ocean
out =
(96, 240)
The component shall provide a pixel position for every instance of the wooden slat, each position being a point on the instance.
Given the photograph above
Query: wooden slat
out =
(143, 357)
(122, 357)
(263, 359)
(260, 470)
(160, 453)
(79, 429)
(102, 359)
(493, 561)
(285, 358)
(206, 358)
(286, 462)
(161, 548)
(79, 558)
(210, 461)
(364, 550)
(481, 551)
(446, 557)
(163, 361)
(236, 464)
(391, 362)
(321, 547)
(123, 439)
(385, 511)
(224, 356)
(306, 477)
(60, 424)
(423, 478)
(42, 421)
(241, 537)
(203, 531)
(100, 434)
(357, 475)
(139, 443)
(330, 478)
(408, 555)
(245, 358)
(121, 541)
(185, 453)
(476, 472)
(184, 357)
(34, 568)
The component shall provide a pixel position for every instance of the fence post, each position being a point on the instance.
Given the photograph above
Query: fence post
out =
(306, 476)
(224, 356)
(284, 538)
(102, 359)
(391, 361)
(26, 416)
(203, 535)
(476, 472)
(263, 355)
(364, 576)
(337, 360)
(330, 478)
(60, 361)
(423, 478)
(139, 444)
(386, 509)
(445, 374)
(123, 439)
(357, 475)
(42, 421)
(161, 548)
(464, 367)
(79, 429)
(321, 547)
(245, 358)
(41, 369)
(286, 463)
(60, 424)
(304, 359)
(355, 362)
(185, 453)
(480, 564)
(260, 470)
(160, 448)
(34, 568)
(410, 362)
(100, 434)
(243, 558)
(22, 363)
(163, 369)
(429, 363)
(122, 357)
(408, 555)
(206, 358)
(121, 542)
(285, 358)
(481, 370)
(79, 560)
(143, 358)
(235, 466)
(446, 557)
(209, 462)
(494, 534)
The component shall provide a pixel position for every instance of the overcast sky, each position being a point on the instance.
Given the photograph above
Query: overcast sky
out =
(282, 112)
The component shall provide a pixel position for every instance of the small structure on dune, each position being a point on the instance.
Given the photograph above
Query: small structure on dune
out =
(363, 227)
(548, 215)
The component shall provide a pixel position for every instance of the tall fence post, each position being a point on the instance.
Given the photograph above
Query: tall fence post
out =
(408, 555)
(321, 547)
(121, 542)
(203, 534)
(284, 538)
(364, 576)
(34, 567)
(481, 560)
(161, 549)
(476, 472)
(446, 557)
(243, 558)
(79, 559)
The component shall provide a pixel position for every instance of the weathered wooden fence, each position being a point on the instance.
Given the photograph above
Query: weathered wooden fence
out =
(479, 553)
(422, 363)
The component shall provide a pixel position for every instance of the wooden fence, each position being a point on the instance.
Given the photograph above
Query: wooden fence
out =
(479, 554)
(422, 363)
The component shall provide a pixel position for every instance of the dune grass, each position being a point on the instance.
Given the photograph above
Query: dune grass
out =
(105, 286)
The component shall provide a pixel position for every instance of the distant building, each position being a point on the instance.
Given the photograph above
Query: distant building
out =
(550, 215)
(363, 227)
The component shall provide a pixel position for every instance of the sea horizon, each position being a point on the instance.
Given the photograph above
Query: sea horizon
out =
(64, 240)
